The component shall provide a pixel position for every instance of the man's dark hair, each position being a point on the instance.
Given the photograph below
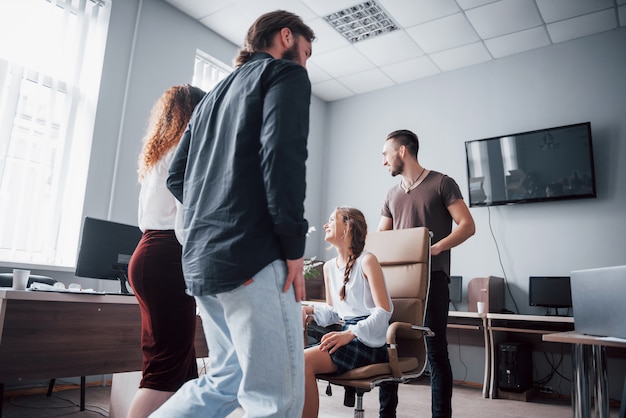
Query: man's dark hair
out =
(261, 33)
(406, 138)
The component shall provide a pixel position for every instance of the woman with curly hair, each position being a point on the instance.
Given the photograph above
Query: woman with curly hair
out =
(168, 314)
(355, 295)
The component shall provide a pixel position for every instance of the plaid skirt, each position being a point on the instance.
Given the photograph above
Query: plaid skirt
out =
(356, 354)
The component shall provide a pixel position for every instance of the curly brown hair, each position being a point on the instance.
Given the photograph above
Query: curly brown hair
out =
(357, 228)
(168, 120)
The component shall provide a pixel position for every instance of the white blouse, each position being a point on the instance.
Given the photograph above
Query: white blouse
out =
(358, 302)
(158, 208)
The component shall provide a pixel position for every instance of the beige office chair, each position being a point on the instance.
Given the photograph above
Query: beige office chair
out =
(404, 255)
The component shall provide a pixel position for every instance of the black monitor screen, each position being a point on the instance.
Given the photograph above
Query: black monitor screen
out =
(456, 289)
(536, 166)
(549, 292)
(105, 250)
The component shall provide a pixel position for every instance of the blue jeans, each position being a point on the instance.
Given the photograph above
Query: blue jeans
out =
(440, 370)
(256, 353)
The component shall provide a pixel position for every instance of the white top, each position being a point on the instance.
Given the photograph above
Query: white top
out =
(158, 208)
(358, 302)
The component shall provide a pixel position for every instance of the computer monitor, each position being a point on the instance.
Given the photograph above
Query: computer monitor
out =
(105, 250)
(456, 289)
(550, 291)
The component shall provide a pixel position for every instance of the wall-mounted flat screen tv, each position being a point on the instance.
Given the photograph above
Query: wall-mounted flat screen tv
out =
(535, 166)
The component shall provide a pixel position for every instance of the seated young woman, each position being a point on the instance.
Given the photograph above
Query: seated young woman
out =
(355, 294)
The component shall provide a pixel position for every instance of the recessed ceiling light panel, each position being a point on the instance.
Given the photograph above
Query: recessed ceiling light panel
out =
(363, 21)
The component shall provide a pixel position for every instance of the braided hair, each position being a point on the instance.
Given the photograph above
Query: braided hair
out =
(357, 231)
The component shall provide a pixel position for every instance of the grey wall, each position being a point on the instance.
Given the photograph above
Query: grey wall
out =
(577, 81)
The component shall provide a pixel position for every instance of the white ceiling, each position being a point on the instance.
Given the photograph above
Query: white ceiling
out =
(435, 35)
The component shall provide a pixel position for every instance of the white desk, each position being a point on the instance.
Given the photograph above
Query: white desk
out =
(498, 324)
(473, 321)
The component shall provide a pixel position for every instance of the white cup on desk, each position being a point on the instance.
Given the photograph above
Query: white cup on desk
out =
(20, 279)
(480, 307)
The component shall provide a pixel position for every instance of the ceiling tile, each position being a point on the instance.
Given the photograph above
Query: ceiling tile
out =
(582, 26)
(326, 37)
(253, 9)
(331, 90)
(446, 33)
(470, 4)
(518, 42)
(456, 34)
(342, 61)
(410, 70)
(316, 74)
(554, 10)
(326, 7)
(366, 81)
(199, 9)
(504, 17)
(229, 23)
(410, 13)
(378, 51)
(463, 56)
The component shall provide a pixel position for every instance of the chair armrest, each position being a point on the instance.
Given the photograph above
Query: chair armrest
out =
(396, 328)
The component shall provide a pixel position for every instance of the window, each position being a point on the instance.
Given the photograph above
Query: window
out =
(50, 67)
(208, 71)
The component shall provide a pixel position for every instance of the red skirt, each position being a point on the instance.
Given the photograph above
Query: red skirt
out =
(168, 314)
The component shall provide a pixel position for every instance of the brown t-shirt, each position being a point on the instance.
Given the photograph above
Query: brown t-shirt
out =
(426, 205)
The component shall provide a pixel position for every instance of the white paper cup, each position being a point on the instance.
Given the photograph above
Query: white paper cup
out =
(20, 279)
(480, 307)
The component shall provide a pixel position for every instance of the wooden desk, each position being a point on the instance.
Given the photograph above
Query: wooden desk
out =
(46, 335)
(588, 353)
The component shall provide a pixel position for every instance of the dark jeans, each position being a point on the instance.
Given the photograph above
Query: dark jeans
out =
(440, 370)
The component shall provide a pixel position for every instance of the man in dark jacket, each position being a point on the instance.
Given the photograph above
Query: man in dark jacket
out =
(239, 171)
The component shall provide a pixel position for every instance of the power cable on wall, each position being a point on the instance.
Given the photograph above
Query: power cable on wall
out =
(495, 241)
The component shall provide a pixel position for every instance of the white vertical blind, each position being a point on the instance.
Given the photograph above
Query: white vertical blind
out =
(49, 73)
(208, 71)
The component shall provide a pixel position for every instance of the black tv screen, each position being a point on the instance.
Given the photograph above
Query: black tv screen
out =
(549, 291)
(105, 250)
(535, 166)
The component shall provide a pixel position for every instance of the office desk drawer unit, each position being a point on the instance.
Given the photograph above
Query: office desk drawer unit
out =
(84, 338)
(46, 335)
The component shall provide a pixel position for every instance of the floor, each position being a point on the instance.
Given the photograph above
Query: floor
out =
(414, 402)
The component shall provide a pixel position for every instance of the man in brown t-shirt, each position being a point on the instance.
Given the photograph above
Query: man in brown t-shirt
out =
(431, 199)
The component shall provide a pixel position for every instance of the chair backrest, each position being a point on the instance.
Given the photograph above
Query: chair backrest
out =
(404, 255)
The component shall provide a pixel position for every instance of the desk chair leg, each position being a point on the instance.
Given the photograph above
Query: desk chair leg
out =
(50, 387)
(359, 412)
(82, 393)
(622, 408)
